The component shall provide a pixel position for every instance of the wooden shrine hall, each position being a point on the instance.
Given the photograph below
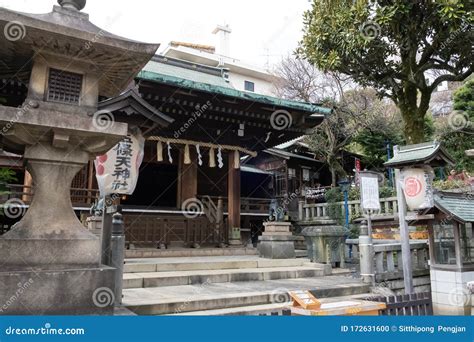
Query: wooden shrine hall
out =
(193, 188)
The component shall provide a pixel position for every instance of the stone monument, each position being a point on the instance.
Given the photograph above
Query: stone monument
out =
(67, 63)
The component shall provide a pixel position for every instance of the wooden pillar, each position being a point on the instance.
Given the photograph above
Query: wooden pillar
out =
(27, 183)
(90, 182)
(233, 194)
(187, 179)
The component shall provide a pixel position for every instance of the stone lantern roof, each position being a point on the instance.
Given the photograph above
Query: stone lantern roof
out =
(67, 32)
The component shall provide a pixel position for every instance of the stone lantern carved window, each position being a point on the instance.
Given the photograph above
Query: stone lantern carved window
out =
(64, 86)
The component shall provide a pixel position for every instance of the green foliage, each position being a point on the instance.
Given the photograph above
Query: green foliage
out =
(392, 46)
(448, 184)
(464, 99)
(373, 141)
(457, 131)
(6, 176)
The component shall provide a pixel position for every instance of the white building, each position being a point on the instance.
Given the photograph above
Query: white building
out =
(242, 76)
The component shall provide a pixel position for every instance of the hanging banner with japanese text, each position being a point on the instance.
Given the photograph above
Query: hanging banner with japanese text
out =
(417, 185)
(117, 171)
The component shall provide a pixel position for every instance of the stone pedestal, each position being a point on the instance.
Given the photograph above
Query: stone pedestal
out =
(50, 263)
(277, 241)
(235, 238)
(325, 243)
(94, 224)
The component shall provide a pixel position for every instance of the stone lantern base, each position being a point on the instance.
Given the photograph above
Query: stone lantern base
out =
(277, 241)
(50, 263)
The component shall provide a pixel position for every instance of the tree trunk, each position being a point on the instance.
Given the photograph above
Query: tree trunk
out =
(414, 127)
(413, 113)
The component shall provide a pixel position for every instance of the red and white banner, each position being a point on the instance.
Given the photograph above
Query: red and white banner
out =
(417, 185)
(117, 171)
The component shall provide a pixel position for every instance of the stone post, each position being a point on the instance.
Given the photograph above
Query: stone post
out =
(118, 254)
(300, 210)
(366, 255)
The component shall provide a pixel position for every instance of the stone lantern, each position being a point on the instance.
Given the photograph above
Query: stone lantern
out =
(67, 63)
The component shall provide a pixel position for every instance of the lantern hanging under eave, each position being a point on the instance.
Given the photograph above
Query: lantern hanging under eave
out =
(417, 185)
(117, 171)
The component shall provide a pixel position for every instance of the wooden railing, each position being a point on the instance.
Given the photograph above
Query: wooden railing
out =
(247, 204)
(25, 193)
(387, 259)
(320, 211)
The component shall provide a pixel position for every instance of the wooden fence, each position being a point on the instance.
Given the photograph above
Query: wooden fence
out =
(416, 304)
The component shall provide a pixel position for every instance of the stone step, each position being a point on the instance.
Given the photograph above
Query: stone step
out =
(160, 279)
(213, 296)
(301, 253)
(206, 263)
(263, 309)
(188, 252)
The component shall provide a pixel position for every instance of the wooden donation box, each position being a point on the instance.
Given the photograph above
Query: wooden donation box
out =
(305, 304)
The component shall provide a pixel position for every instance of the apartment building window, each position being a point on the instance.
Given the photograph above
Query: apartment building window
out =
(249, 86)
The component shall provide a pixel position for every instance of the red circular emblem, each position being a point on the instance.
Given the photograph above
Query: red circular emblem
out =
(412, 186)
(100, 169)
(102, 158)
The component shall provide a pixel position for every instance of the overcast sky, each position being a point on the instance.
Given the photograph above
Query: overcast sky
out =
(263, 31)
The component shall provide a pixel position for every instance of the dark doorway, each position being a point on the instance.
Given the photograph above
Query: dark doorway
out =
(157, 187)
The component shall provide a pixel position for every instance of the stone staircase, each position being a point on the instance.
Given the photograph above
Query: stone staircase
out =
(225, 285)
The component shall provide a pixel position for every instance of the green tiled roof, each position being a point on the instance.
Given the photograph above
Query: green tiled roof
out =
(216, 84)
(420, 153)
(460, 206)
